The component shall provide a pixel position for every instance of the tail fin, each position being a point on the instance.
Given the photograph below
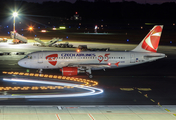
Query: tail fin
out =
(151, 41)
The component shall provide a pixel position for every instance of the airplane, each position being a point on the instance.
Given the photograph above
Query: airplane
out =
(73, 63)
(47, 44)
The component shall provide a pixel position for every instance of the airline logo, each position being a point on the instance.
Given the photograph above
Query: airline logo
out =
(151, 41)
(105, 58)
(52, 59)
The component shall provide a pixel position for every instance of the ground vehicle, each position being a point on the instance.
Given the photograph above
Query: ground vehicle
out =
(64, 45)
(84, 48)
(3, 39)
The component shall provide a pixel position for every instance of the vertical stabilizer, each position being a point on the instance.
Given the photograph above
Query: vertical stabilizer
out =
(151, 41)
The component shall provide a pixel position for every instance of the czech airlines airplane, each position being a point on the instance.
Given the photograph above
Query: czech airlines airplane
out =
(73, 63)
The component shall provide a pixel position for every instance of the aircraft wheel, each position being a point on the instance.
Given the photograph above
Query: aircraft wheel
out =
(90, 76)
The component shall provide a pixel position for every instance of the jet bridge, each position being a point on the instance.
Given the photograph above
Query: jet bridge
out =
(17, 38)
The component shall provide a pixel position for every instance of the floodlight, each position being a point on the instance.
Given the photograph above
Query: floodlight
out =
(15, 14)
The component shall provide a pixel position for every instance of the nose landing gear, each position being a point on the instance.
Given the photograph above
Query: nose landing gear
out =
(89, 73)
(40, 71)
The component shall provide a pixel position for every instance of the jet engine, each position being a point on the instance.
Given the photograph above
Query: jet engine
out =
(70, 71)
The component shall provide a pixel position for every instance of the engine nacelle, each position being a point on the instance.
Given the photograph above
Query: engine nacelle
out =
(69, 71)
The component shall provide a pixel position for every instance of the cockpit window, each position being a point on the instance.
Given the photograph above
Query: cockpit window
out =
(26, 56)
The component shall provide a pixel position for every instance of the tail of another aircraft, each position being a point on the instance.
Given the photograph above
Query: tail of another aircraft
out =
(151, 41)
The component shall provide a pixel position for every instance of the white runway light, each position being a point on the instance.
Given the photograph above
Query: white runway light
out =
(91, 90)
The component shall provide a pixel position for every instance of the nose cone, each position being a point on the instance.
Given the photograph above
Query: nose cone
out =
(22, 63)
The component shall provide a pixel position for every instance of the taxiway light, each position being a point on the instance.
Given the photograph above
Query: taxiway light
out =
(45, 75)
(59, 77)
(50, 76)
(26, 74)
(21, 73)
(55, 76)
(31, 74)
(15, 73)
(41, 75)
(36, 75)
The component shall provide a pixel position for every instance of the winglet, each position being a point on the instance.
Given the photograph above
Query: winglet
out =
(151, 41)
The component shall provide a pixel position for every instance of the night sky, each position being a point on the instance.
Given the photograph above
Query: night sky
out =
(138, 1)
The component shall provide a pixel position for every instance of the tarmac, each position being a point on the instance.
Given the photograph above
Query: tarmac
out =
(141, 92)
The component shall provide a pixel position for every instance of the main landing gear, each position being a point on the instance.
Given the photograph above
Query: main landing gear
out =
(40, 71)
(89, 73)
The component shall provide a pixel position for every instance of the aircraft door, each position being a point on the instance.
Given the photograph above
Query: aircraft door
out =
(40, 57)
(132, 58)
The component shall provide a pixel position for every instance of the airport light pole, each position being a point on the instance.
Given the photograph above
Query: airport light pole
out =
(15, 14)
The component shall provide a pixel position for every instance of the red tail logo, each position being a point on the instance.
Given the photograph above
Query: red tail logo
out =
(52, 59)
(151, 41)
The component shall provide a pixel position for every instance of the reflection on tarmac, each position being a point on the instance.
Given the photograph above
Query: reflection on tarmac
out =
(87, 86)
(85, 81)
(90, 90)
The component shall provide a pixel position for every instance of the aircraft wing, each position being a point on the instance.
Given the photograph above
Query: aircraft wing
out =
(90, 65)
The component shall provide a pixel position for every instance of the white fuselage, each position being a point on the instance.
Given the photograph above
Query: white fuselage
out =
(97, 60)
